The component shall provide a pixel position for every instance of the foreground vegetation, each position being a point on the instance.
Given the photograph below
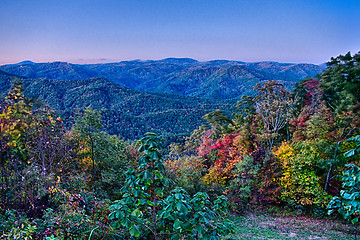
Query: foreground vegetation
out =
(280, 148)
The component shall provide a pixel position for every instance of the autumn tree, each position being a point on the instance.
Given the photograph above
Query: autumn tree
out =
(16, 118)
(32, 149)
(330, 111)
(86, 128)
(49, 146)
(275, 106)
(300, 182)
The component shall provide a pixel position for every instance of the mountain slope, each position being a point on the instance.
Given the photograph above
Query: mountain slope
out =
(126, 112)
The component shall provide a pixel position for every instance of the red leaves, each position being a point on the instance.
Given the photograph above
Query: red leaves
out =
(228, 150)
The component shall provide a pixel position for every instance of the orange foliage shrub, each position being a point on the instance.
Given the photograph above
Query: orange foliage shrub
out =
(229, 151)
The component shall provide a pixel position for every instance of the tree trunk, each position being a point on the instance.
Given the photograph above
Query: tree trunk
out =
(328, 178)
(154, 211)
(356, 231)
(93, 162)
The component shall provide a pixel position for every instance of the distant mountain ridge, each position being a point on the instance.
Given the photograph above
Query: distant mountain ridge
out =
(216, 79)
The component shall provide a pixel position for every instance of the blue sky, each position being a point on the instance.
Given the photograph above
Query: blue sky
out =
(88, 31)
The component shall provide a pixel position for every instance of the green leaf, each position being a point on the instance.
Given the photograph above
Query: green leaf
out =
(350, 153)
(137, 213)
(141, 148)
(181, 207)
(126, 222)
(167, 215)
(147, 174)
(177, 224)
(199, 228)
(155, 155)
(175, 237)
(142, 201)
(178, 196)
(116, 224)
(134, 231)
(159, 192)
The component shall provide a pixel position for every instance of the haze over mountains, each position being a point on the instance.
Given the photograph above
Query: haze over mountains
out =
(168, 97)
(218, 79)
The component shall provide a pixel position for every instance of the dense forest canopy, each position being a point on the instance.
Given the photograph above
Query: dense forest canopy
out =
(78, 181)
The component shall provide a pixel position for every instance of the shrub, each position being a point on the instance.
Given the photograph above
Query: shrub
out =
(299, 182)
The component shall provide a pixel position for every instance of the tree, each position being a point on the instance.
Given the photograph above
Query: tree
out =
(341, 82)
(219, 122)
(149, 209)
(275, 106)
(87, 127)
(49, 146)
(299, 181)
(16, 118)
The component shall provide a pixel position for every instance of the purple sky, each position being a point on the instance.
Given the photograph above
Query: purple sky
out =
(89, 31)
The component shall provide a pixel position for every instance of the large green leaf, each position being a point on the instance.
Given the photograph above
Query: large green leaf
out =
(154, 155)
(134, 231)
(177, 224)
(350, 153)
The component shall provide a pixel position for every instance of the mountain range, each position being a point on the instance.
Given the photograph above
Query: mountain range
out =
(217, 79)
(168, 96)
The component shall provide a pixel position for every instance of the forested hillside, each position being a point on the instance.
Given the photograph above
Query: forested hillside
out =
(220, 79)
(127, 113)
(292, 151)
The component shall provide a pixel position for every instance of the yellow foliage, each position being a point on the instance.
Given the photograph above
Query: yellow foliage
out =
(299, 181)
(215, 176)
(187, 165)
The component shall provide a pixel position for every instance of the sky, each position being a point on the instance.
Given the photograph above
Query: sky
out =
(95, 31)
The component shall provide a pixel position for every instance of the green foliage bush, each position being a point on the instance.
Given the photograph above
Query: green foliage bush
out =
(15, 226)
(244, 184)
(150, 210)
(348, 203)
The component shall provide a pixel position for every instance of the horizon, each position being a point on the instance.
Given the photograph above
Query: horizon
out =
(95, 31)
(106, 61)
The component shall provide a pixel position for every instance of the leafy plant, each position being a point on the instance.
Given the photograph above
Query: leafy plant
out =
(348, 203)
(16, 226)
(356, 150)
(148, 208)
